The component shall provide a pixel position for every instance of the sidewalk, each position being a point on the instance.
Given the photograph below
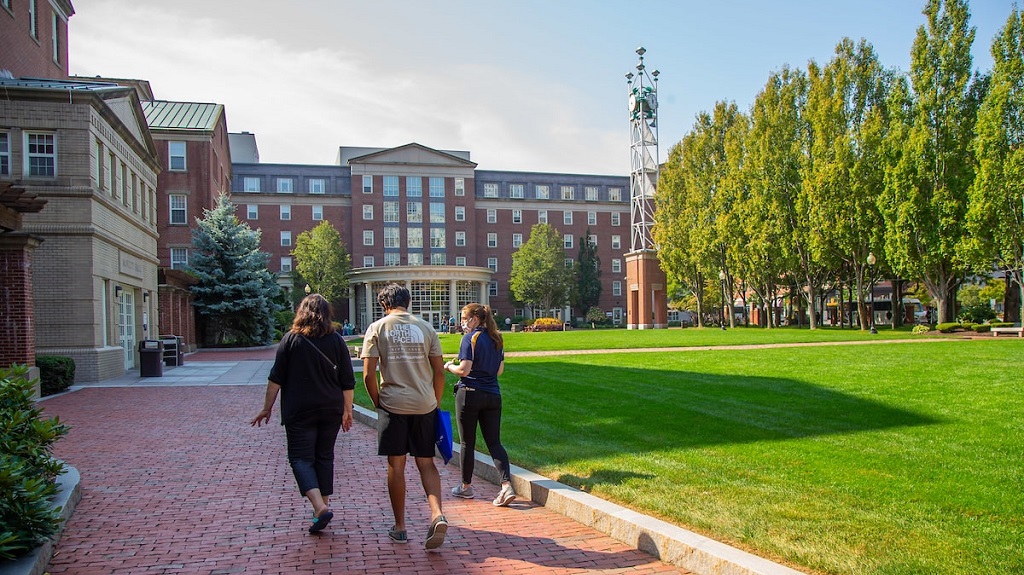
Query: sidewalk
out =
(175, 481)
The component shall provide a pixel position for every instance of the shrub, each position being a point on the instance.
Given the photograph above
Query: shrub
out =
(977, 313)
(1001, 324)
(919, 329)
(547, 324)
(948, 327)
(56, 373)
(28, 470)
(982, 328)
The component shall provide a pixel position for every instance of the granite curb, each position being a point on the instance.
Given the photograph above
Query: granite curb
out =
(666, 542)
(69, 493)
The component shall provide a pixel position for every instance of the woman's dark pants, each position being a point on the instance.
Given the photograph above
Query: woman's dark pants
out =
(311, 440)
(471, 408)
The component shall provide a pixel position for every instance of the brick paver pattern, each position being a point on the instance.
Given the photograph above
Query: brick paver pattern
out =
(175, 481)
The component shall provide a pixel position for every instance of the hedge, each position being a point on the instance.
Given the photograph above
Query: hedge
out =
(56, 373)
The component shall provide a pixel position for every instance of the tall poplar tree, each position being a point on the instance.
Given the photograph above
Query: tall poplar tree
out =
(925, 199)
(323, 261)
(539, 277)
(235, 295)
(586, 285)
(995, 218)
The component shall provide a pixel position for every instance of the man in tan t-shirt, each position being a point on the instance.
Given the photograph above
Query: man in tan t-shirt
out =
(407, 398)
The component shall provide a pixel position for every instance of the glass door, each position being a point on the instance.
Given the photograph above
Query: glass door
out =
(126, 325)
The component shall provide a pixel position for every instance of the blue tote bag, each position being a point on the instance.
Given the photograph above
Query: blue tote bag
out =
(443, 434)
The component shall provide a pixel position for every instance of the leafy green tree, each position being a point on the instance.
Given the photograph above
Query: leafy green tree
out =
(323, 262)
(596, 315)
(539, 276)
(235, 297)
(995, 217)
(925, 199)
(586, 285)
(843, 176)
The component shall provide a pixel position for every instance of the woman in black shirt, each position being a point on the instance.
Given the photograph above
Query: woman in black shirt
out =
(313, 372)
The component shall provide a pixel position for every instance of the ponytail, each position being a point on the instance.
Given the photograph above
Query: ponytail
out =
(486, 317)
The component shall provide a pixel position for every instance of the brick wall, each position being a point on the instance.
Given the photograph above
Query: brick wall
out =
(26, 56)
(17, 326)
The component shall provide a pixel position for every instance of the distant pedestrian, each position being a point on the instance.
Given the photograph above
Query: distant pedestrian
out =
(508, 323)
(478, 398)
(313, 373)
(407, 397)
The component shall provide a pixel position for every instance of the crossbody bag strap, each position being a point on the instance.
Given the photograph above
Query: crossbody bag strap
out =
(322, 354)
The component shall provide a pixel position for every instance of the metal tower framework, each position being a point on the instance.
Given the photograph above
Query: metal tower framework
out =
(643, 116)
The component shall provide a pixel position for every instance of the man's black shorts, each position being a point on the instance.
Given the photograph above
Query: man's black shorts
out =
(401, 434)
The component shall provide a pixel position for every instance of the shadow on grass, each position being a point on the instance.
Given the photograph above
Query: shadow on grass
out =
(602, 477)
(563, 411)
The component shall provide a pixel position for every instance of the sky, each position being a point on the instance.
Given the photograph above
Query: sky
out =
(523, 85)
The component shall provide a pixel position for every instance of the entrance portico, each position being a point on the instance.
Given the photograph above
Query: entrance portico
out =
(437, 291)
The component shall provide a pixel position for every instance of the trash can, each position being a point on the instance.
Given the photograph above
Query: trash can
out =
(174, 350)
(151, 355)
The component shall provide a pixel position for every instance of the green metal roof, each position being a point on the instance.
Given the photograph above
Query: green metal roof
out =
(164, 115)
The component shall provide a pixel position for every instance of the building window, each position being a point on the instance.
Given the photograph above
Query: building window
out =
(5, 157)
(438, 259)
(567, 218)
(515, 191)
(176, 156)
(615, 218)
(367, 184)
(492, 289)
(492, 263)
(616, 242)
(460, 186)
(568, 193)
(437, 238)
(492, 240)
(517, 216)
(542, 192)
(179, 209)
(318, 213)
(367, 211)
(252, 212)
(414, 212)
(413, 187)
(492, 216)
(414, 237)
(542, 216)
(437, 212)
(460, 261)
(437, 187)
(286, 264)
(616, 266)
(286, 212)
(41, 159)
(567, 241)
(55, 43)
(391, 212)
(517, 240)
(367, 261)
(33, 25)
(284, 185)
(392, 259)
(367, 237)
(179, 258)
(615, 195)
(250, 184)
(592, 240)
(391, 238)
(317, 186)
(286, 239)
(460, 213)
(415, 259)
(591, 218)
(391, 186)
(616, 288)
(567, 262)
(460, 239)
(591, 193)
(490, 190)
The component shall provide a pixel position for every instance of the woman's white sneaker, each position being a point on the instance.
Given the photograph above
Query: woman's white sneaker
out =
(505, 496)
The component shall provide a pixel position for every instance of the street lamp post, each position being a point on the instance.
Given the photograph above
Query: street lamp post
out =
(307, 289)
(725, 298)
(871, 278)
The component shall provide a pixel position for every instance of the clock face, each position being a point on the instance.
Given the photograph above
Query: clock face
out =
(632, 102)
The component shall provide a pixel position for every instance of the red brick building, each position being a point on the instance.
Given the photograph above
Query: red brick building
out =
(34, 38)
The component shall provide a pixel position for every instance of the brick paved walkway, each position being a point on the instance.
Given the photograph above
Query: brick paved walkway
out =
(174, 481)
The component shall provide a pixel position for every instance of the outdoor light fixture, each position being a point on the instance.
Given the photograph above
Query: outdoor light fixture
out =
(145, 296)
(308, 290)
(117, 291)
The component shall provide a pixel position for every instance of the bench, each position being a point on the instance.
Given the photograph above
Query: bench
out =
(1011, 330)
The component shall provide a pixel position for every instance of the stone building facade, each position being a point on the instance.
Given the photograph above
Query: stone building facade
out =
(84, 148)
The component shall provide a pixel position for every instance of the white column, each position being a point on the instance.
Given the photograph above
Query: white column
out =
(368, 296)
(453, 300)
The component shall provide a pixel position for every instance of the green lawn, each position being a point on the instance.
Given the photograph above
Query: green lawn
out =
(851, 459)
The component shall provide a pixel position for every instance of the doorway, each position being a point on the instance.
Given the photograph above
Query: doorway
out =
(126, 326)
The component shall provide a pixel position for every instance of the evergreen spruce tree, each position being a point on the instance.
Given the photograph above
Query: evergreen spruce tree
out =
(235, 298)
